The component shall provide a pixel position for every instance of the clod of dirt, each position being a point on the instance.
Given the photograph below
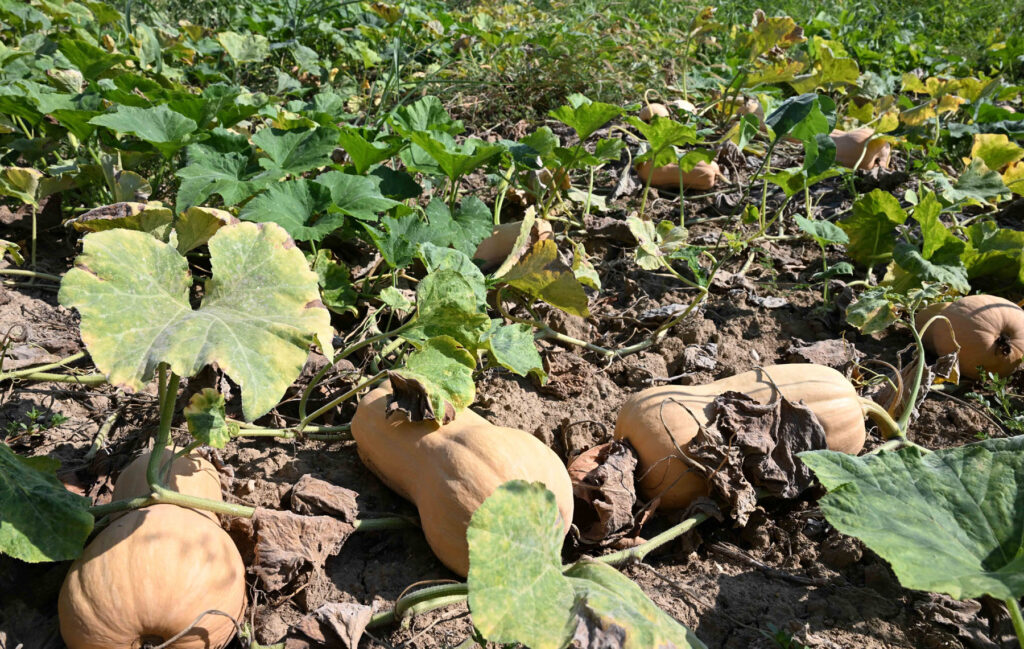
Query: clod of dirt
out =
(748, 446)
(289, 545)
(959, 617)
(607, 227)
(314, 497)
(603, 486)
(568, 375)
(345, 620)
(836, 353)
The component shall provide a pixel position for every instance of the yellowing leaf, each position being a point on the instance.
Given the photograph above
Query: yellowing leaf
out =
(1014, 178)
(890, 121)
(21, 183)
(919, 114)
(863, 114)
(912, 84)
(950, 104)
(996, 150)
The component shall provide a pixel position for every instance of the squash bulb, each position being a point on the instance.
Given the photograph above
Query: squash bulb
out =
(147, 577)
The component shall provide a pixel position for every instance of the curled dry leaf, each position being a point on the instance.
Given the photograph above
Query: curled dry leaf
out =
(313, 497)
(289, 545)
(944, 369)
(602, 484)
(749, 447)
(346, 620)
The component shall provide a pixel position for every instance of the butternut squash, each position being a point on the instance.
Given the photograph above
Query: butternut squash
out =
(989, 329)
(656, 423)
(701, 177)
(147, 577)
(496, 248)
(851, 144)
(189, 474)
(447, 471)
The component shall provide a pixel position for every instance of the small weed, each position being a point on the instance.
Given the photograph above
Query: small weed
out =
(999, 402)
(782, 638)
(35, 422)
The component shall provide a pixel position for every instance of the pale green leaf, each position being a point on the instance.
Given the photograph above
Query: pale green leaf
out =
(260, 311)
(207, 421)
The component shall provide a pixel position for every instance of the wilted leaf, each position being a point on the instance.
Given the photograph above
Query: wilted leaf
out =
(996, 150)
(207, 422)
(289, 545)
(436, 382)
(603, 480)
(541, 274)
(245, 48)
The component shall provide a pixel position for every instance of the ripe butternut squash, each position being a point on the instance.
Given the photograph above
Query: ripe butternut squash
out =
(989, 329)
(147, 577)
(656, 423)
(189, 474)
(496, 248)
(701, 177)
(851, 144)
(447, 471)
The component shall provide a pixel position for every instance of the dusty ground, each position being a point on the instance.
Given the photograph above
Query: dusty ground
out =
(787, 571)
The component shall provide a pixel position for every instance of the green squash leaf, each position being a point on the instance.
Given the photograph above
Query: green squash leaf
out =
(442, 371)
(294, 151)
(299, 206)
(872, 227)
(260, 312)
(512, 347)
(464, 230)
(40, 520)
(160, 126)
(244, 48)
(951, 521)
(585, 116)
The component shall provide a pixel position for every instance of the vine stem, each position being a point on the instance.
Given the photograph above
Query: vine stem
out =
(29, 273)
(42, 368)
(84, 379)
(1016, 618)
(434, 597)
(338, 400)
(351, 349)
(639, 552)
(878, 414)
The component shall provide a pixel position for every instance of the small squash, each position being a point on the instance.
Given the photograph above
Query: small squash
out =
(447, 471)
(989, 330)
(189, 474)
(851, 144)
(147, 577)
(496, 248)
(650, 111)
(656, 423)
(702, 177)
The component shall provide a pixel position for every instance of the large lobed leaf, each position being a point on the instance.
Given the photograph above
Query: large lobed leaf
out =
(260, 312)
(949, 522)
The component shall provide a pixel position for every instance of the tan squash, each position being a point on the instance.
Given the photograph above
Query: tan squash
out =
(851, 144)
(644, 417)
(447, 471)
(189, 474)
(147, 577)
(989, 329)
(496, 248)
(650, 111)
(702, 177)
